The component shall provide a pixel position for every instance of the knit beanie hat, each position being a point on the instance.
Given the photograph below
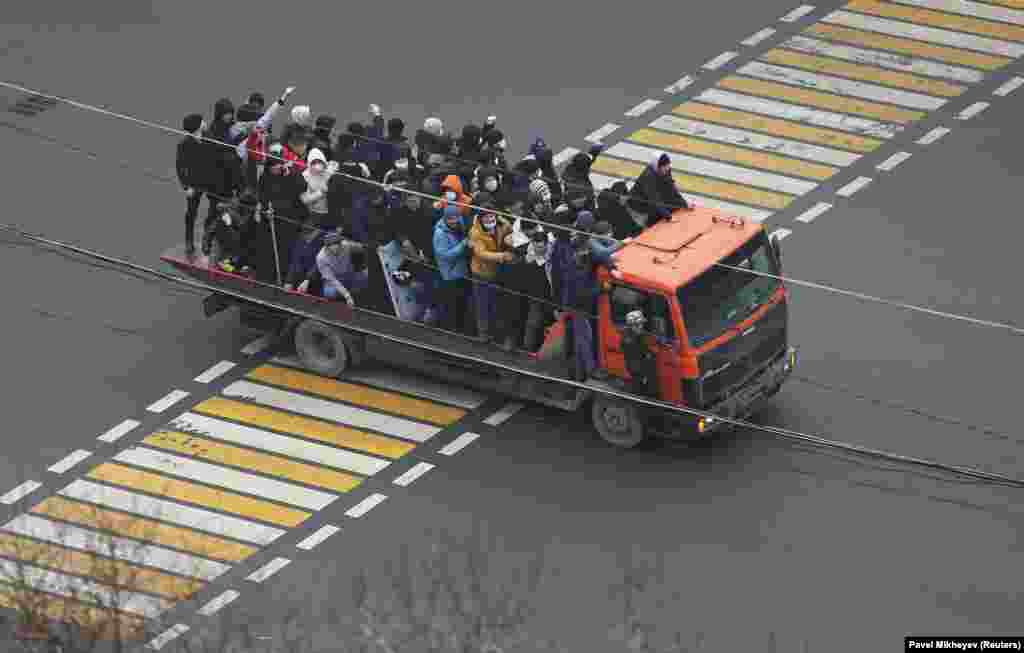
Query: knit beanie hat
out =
(192, 123)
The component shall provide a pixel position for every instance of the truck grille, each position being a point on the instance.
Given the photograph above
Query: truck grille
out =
(746, 355)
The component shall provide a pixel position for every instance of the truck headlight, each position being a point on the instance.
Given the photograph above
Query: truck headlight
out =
(704, 423)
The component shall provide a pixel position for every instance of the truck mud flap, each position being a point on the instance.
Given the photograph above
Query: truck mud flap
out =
(216, 303)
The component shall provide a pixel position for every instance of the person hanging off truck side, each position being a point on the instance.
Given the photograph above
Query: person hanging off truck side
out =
(304, 212)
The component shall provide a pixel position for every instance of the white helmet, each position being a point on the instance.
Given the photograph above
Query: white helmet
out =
(635, 319)
(302, 115)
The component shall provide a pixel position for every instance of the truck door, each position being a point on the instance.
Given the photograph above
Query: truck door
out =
(664, 342)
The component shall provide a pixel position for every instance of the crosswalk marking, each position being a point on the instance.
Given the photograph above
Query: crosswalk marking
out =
(840, 86)
(1016, 4)
(933, 136)
(701, 185)
(268, 570)
(168, 400)
(923, 33)
(280, 444)
(642, 108)
(215, 371)
(810, 214)
(807, 58)
(318, 537)
(854, 186)
(139, 528)
(83, 590)
(167, 636)
(101, 623)
(118, 431)
(217, 452)
(20, 492)
(870, 58)
(683, 82)
(600, 133)
(69, 461)
(969, 8)
(200, 495)
(820, 99)
(720, 60)
(907, 47)
(365, 506)
(329, 410)
(458, 444)
(682, 162)
(418, 470)
(114, 572)
(601, 182)
(231, 479)
(776, 127)
(115, 547)
(814, 117)
(797, 13)
(332, 434)
(730, 153)
(758, 37)
(938, 19)
(1009, 87)
(754, 140)
(893, 161)
(417, 386)
(181, 515)
(418, 409)
(214, 605)
(972, 110)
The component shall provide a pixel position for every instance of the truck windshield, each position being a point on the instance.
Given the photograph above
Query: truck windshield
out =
(722, 296)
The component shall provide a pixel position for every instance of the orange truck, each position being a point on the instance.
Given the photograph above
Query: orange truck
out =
(719, 335)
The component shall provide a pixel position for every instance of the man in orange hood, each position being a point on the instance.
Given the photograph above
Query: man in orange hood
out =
(453, 185)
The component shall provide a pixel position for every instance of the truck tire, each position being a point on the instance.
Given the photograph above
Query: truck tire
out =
(617, 422)
(321, 348)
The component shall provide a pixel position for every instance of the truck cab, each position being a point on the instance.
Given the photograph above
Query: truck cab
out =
(717, 323)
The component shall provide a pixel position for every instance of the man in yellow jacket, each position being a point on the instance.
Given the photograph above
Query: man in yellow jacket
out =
(487, 240)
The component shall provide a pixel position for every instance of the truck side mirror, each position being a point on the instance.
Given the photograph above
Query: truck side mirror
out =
(773, 240)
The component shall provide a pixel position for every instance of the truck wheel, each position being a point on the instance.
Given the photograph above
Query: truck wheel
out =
(321, 348)
(617, 422)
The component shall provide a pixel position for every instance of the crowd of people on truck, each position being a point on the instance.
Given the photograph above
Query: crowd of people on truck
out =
(301, 210)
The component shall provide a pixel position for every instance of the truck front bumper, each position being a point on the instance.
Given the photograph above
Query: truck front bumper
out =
(752, 395)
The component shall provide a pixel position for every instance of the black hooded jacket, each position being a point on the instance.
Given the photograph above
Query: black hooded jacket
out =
(611, 210)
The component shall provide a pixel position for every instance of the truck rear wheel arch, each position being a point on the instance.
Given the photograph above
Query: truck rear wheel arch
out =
(618, 422)
(322, 348)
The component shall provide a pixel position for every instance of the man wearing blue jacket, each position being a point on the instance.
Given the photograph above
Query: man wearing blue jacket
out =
(451, 252)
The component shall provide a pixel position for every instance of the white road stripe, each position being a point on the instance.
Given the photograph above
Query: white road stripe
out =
(884, 59)
(173, 513)
(1009, 87)
(966, 8)
(797, 13)
(405, 382)
(597, 135)
(709, 168)
(167, 636)
(195, 470)
(419, 469)
(214, 605)
(118, 431)
(172, 397)
(268, 570)
(797, 113)
(753, 140)
(932, 136)
(922, 33)
(781, 233)
(220, 368)
(972, 110)
(853, 186)
(458, 444)
(810, 214)
(602, 182)
(258, 345)
(564, 156)
(893, 161)
(70, 461)
(322, 409)
(758, 37)
(366, 505)
(318, 537)
(720, 60)
(116, 547)
(681, 84)
(642, 108)
(840, 86)
(506, 412)
(20, 492)
(280, 444)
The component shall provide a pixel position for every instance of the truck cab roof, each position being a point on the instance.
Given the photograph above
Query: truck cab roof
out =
(672, 253)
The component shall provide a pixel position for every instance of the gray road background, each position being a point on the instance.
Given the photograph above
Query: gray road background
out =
(759, 536)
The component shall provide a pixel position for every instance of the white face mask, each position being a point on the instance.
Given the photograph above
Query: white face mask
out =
(490, 225)
(491, 185)
(451, 196)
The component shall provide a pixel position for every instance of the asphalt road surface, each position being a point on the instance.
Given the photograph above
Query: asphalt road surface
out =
(763, 541)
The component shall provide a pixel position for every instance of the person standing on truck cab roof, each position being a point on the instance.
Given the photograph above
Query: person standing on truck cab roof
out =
(654, 195)
(451, 252)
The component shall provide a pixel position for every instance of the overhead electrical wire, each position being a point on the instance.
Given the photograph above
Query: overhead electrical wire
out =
(388, 187)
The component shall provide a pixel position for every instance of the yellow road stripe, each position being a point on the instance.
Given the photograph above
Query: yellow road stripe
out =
(776, 127)
(199, 495)
(218, 452)
(332, 434)
(863, 73)
(702, 185)
(102, 570)
(104, 624)
(1015, 4)
(139, 528)
(938, 19)
(908, 47)
(732, 154)
(842, 104)
(357, 394)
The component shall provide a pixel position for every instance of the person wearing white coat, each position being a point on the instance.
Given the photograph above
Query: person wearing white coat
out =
(317, 174)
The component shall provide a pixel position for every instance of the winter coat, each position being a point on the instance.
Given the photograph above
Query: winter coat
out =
(526, 281)
(655, 195)
(348, 198)
(576, 176)
(254, 144)
(487, 248)
(454, 183)
(302, 261)
(450, 252)
(315, 195)
(189, 162)
(610, 210)
(334, 268)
